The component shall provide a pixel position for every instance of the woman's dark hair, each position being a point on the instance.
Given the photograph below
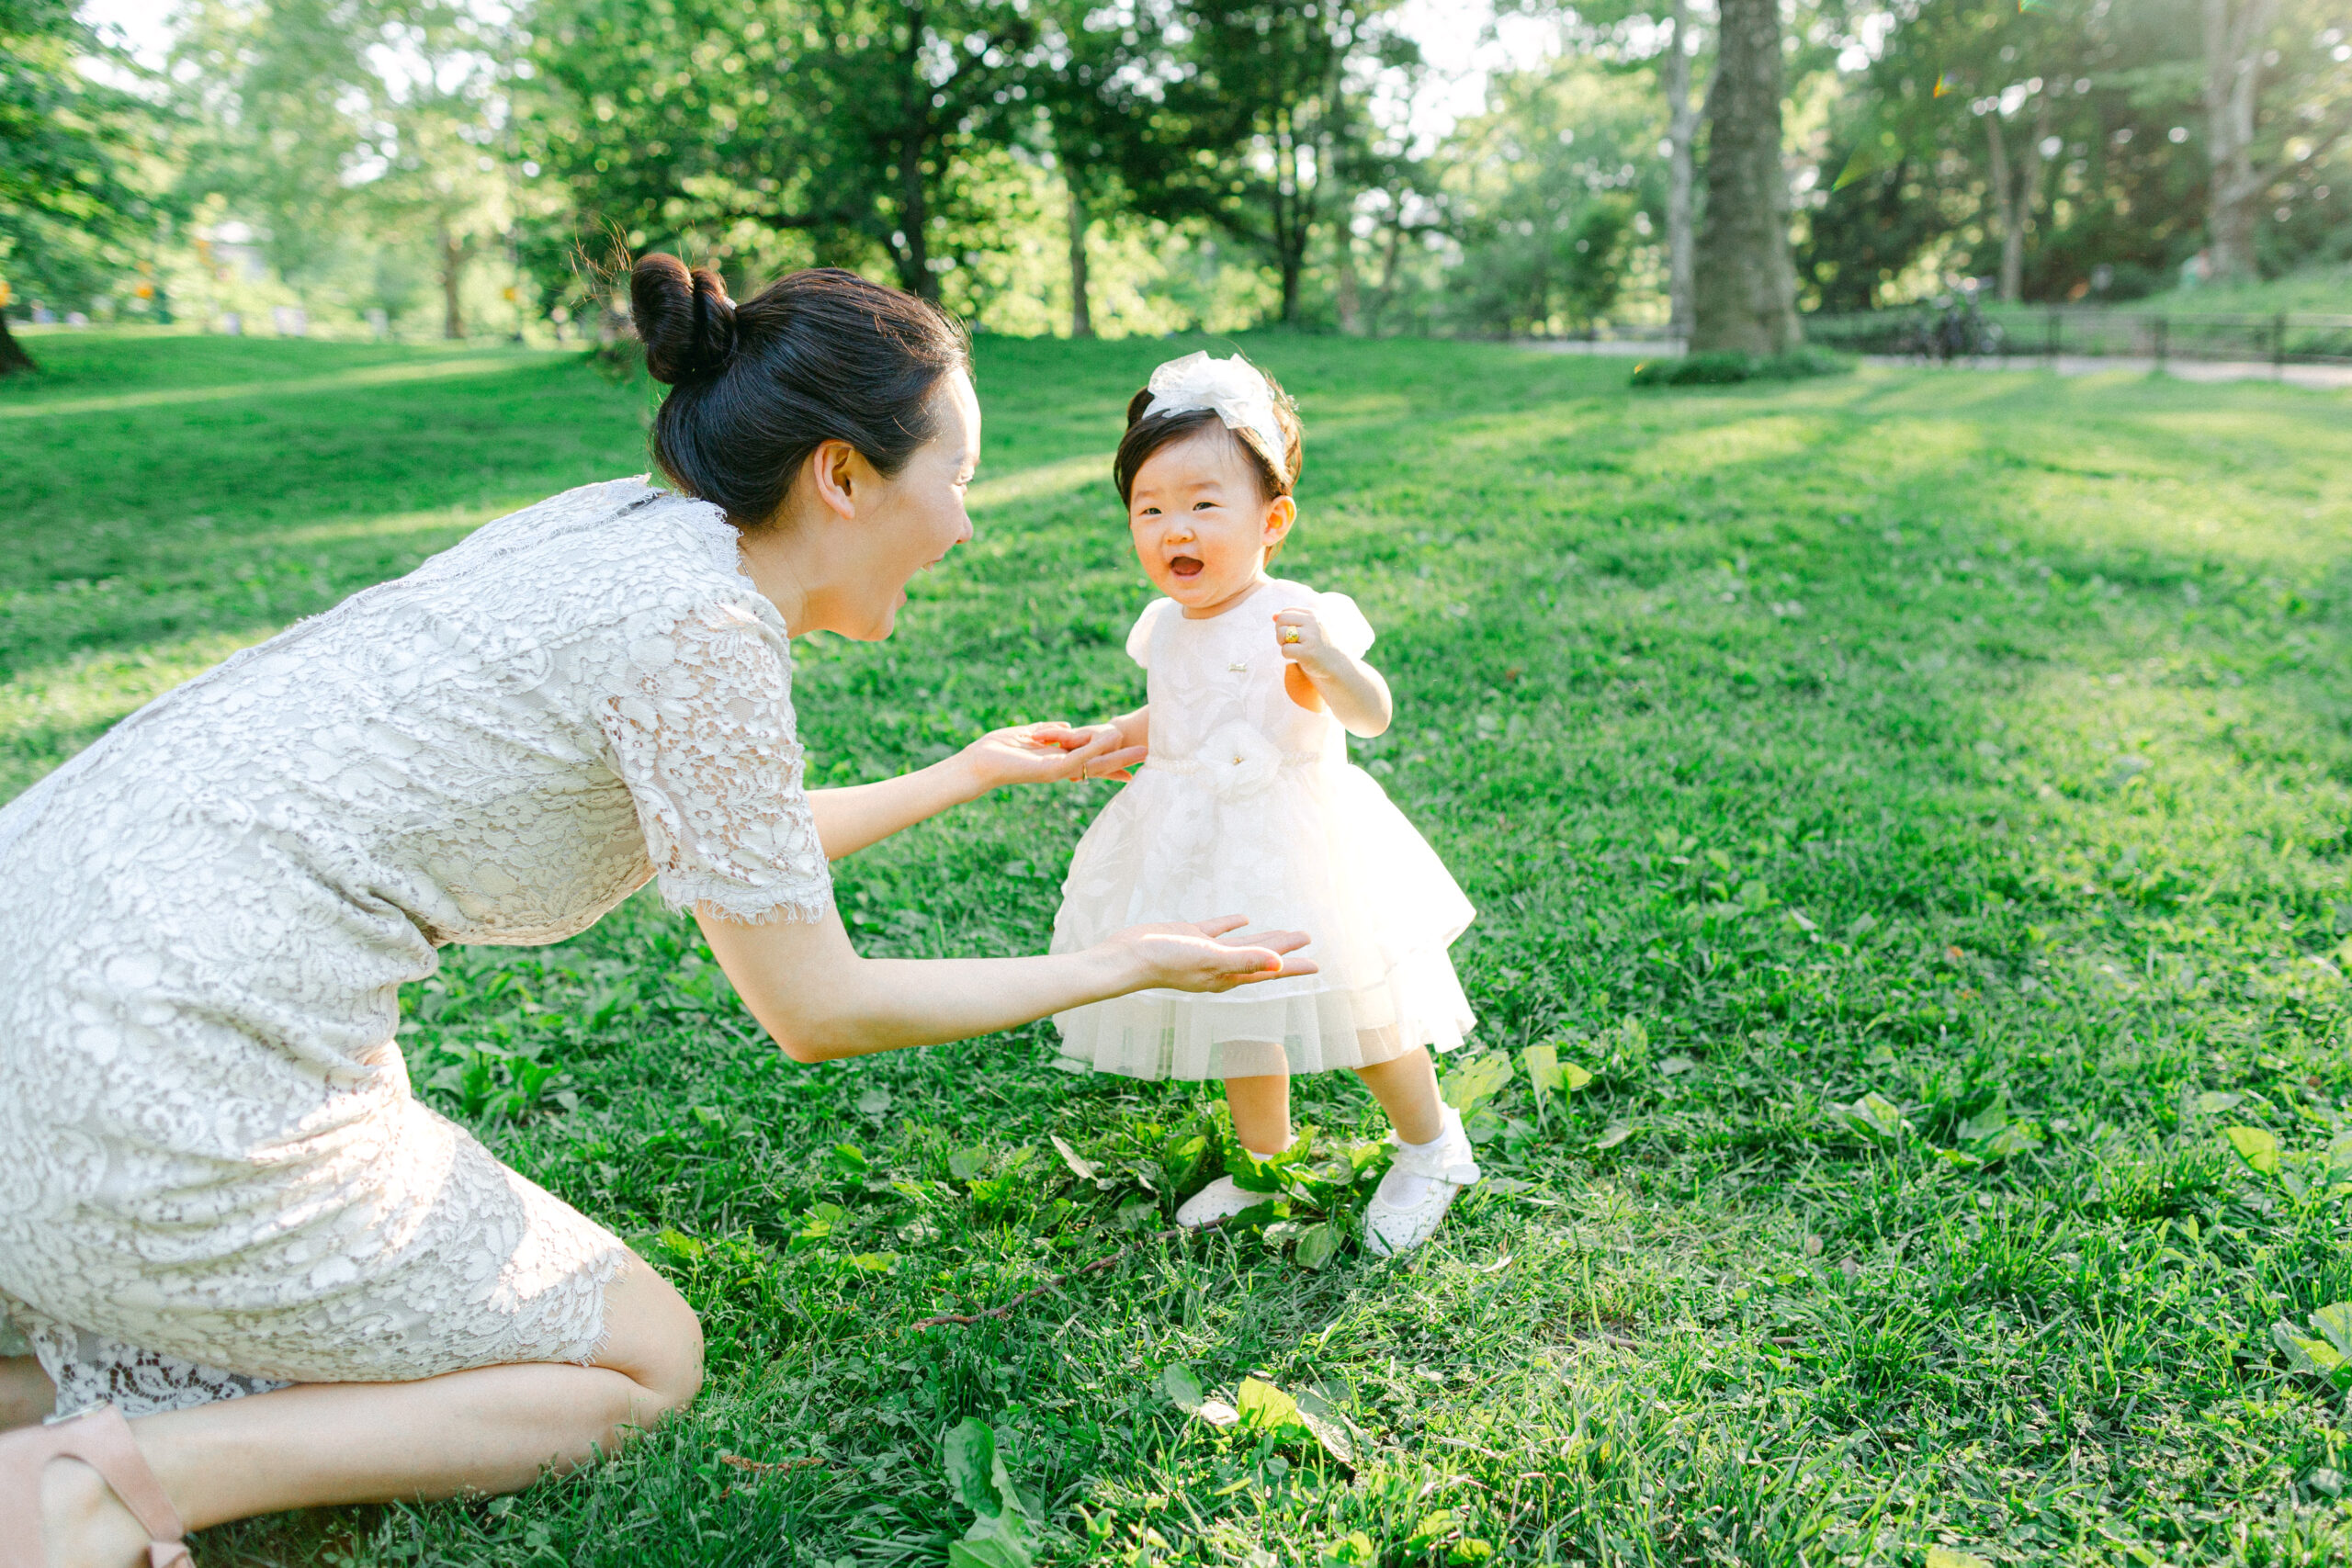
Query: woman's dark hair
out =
(820, 355)
(1277, 471)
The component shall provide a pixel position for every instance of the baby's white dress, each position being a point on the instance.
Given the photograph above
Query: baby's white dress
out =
(1249, 806)
(213, 1176)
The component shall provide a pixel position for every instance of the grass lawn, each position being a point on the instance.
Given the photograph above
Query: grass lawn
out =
(1921, 801)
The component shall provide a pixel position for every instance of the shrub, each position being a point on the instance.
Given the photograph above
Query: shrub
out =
(1721, 369)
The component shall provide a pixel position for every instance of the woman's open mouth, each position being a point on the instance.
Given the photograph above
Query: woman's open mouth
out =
(1185, 566)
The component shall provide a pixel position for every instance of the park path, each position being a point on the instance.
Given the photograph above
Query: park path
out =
(2322, 378)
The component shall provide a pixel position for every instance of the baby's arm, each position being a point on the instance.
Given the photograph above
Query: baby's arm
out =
(1134, 729)
(1352, 688)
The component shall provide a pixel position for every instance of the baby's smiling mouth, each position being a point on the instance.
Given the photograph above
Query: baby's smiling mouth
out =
(1185, 566)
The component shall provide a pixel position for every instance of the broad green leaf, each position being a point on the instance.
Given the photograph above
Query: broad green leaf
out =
(1251, 1174)
(1432, 1528)
(1990, 1119)
(1081, 1169)
(1001, 1536)
(874, 1101)
(1183, 1387)
(1875, 1116)
(1264, 1407)
(2335, 1323)
(2340, 1154)
(2213, 1101)
(1320, 1416)
(989, 1547)
(2013, 1139)
(1476, 1079)
(973, 1466)
(1943, 1557)
(965, 1164)
(1614, 1136)
(1674, 1065)
(1469, 1551)
(2316, 1356)
(1318, 1245)
(2256, 1147)
(849, 1157)
(874, 1262)
(1352, 1550)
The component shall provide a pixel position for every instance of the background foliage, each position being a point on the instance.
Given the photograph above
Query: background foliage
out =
(1172, 164)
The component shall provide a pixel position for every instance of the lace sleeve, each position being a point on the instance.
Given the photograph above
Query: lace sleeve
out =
(1344, 624)
(1139, 640)
(701, 726)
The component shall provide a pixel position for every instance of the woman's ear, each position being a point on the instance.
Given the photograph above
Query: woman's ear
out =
(832, 478)
(1281, 512)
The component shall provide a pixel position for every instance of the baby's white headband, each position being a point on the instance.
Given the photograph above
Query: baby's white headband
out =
(1234, 387)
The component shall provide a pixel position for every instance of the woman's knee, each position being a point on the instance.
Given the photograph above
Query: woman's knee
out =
(652, 1336)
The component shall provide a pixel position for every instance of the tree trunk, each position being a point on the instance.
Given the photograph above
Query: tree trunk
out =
(2233, 33)
(13, 360)
(2013, 193)
(1081, 318)
(1743, 293)
(914, 139)
(1682, 129)
(452, 268)
(1347, 287)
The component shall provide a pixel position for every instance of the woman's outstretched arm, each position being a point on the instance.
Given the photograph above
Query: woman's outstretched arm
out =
(849, 819)
(820, 1001)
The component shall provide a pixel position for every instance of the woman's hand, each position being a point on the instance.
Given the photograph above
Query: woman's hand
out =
(1198, 955)
(1044, 753)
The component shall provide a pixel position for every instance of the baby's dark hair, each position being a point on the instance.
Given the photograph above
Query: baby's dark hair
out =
(1277, 471)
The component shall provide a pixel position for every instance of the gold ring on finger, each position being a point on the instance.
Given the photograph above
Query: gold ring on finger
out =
(1290, 634)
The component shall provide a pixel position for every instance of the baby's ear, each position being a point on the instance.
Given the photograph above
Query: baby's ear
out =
(1281, 512)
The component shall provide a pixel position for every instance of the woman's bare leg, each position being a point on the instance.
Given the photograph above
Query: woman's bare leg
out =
(25, 1393)
(1260, 1108)
(1406, 1087)
(493, 1430)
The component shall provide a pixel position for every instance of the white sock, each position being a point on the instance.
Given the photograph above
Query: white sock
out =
(1400, 1188)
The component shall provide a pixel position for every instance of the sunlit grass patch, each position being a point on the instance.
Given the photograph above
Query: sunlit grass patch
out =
(1921, 803)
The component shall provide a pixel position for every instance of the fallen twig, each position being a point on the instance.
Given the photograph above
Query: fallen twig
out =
(765, 1466)
(1050, 1286)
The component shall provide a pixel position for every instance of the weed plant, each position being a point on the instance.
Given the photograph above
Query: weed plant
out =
(1908, 815)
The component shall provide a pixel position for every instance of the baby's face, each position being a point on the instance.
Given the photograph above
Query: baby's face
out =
(1201, 525)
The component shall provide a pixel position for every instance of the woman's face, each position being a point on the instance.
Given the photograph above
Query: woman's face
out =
(909, 522)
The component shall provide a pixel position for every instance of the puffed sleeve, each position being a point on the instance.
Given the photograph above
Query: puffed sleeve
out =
(701, 724)
(1344, 624)
(1139, 640)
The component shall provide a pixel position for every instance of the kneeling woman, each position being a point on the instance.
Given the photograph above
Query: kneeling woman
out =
(230, 1238)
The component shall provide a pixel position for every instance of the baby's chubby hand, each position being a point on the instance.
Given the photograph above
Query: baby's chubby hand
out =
(1299, 638)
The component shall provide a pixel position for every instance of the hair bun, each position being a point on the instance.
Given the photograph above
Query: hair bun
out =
(685, 318)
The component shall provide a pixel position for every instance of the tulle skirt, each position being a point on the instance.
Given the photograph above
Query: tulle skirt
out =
(1318, 848)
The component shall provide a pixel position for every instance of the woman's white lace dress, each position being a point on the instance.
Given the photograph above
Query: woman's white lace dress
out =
(1250, 807)
(213, 1176)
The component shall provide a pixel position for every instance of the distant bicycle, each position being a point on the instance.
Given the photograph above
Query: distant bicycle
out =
(1958, 330)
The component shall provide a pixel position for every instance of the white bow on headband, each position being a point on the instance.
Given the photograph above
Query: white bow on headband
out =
(1234, 387)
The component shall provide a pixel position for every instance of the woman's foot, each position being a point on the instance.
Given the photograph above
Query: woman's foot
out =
(82, 1521)
(1420, 1187)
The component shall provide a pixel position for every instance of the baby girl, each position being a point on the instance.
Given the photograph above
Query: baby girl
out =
(1248, 803)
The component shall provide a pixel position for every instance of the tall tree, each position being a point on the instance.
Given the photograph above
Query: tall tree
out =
(1265, 111)
(1681, 132)
(2250, 152)
(1744, 295)
(72, 205)
(848, 122)
(1084, 77)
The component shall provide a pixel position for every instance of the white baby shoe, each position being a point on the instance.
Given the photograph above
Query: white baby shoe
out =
(1220, 1200)
(1419, 1189)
